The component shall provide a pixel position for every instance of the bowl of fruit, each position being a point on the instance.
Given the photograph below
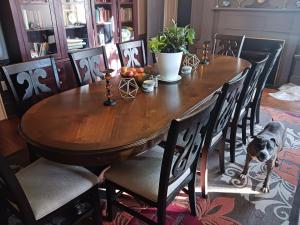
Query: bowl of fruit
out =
(137, 73)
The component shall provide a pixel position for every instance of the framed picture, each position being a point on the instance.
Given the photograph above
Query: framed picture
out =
(3, 51)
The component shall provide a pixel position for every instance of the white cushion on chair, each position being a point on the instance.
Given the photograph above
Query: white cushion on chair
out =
(49, 185)
(141, 174)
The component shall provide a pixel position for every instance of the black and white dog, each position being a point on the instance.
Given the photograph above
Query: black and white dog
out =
(265, 147)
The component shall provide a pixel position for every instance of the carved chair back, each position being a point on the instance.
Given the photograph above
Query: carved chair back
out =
(132, 53)
(267, 71)
(228, 45)
(32, 81)
(183, 145)
(249, 86)
(12, 192)
(88, 64)
(226, 103)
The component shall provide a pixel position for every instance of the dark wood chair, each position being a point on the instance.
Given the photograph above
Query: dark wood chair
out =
(243, 104)
(31, 81)
(45, 190)
(230, 45)
(274, 52)
(88, 64)
(218, 125)
(158, 175)
(132, 53)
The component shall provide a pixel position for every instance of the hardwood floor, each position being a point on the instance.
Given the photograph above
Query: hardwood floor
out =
(269, 101)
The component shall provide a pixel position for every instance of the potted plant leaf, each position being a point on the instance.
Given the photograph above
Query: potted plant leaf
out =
(168, 47)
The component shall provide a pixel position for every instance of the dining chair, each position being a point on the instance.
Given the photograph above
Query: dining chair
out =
(45, 190)
(31, 81)
(132, 53)
(230, 45)
(254, 106)
(88, 64)
(243, 103)
(218, 125)
(159, 174)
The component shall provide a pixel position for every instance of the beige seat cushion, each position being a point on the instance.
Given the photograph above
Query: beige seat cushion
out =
(49, 185)
(141, 174)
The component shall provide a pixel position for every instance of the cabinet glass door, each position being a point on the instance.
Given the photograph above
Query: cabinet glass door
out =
(75, 23)
(39, 27)
(126, 20)
(104, 20)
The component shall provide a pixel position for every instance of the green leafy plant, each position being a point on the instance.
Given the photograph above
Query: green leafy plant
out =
(173, 39)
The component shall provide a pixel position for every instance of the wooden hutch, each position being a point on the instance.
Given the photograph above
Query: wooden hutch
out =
(40, 28)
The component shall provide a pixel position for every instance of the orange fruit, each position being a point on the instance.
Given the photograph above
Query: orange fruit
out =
(129, 73)
(123, 70)
(140, 70)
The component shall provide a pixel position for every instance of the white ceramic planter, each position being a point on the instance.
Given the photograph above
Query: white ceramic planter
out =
(169, 65)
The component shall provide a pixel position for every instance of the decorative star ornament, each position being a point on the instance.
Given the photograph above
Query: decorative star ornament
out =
(191, 60)
(128, 88)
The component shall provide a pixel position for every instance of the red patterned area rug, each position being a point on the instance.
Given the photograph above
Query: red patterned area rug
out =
(232, 200)
(235, 201)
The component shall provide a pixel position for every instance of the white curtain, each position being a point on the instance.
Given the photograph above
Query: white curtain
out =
(170, 12)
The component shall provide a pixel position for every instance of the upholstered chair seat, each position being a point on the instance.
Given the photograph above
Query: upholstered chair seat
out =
(141, 174)
(49, 185)
(158, 175)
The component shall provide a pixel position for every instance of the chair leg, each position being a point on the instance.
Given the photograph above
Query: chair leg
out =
(110, 197)
(97, 214)
(252, 121)
(232, 142)
(257, 111)
(222, 156)
(3, 214)
(161, 215)
(244, 129)
(203, 171)
(192, 196)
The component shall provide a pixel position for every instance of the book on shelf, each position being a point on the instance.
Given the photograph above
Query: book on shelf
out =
(75, 43)
(33, 19)
(39, 49)
(126, 14)
(105, 34)
(102, 15)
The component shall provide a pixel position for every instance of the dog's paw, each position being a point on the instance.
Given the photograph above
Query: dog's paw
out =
(265, 189)
(243, 176)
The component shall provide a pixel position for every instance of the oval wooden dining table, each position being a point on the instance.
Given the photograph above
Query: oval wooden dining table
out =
(74, 127)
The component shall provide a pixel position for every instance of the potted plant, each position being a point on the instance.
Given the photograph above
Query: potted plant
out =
(168, 47)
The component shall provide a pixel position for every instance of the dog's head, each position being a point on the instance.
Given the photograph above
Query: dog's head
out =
(263, 147)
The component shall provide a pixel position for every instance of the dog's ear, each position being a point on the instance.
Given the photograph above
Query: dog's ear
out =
(275, 141)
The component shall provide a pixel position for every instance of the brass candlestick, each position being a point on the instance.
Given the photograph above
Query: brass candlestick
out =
(109, 101)
(205, 49)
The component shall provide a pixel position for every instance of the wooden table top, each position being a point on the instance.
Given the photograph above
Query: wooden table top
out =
(75, 127)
